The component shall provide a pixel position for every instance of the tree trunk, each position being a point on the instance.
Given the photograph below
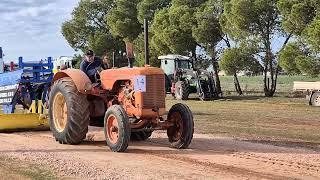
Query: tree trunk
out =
(237, 84)
(269, 89)
(216, 74)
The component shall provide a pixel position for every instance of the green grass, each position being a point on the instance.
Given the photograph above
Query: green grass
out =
(14, 169)
(252, 117)
(255, 84)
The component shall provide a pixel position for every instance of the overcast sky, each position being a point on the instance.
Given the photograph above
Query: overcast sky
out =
(32, 28)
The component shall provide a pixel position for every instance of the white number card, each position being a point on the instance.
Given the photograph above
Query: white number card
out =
(140, 84)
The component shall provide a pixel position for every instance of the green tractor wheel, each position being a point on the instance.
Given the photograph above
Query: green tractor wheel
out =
(181, 91)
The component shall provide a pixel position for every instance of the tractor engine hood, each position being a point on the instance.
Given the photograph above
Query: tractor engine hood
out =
(111, 76)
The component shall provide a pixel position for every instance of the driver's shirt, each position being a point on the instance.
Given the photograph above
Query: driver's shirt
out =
(91, 68)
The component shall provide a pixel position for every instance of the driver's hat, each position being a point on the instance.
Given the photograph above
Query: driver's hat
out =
(89, 53)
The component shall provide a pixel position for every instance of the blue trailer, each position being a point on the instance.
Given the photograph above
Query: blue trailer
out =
(28, 87)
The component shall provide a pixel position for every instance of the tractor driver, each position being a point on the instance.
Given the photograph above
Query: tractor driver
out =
(91, 65)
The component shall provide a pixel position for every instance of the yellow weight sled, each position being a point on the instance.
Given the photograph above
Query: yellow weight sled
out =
(33, 119)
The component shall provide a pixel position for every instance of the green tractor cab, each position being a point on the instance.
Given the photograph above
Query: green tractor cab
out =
(182, 79)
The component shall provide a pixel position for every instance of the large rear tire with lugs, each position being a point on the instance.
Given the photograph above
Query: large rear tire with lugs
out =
(181, 90)
(69, 112)
(181, 133)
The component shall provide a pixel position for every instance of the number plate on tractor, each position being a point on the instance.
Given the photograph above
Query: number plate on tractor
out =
(140, 84)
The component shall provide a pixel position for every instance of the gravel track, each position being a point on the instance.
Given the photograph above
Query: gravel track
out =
(209, 157)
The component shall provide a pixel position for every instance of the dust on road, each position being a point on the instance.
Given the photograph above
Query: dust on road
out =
(208, 158)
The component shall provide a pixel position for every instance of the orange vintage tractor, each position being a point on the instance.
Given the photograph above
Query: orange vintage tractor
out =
(127, 102)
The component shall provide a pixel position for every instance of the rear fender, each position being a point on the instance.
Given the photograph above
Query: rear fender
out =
(80, 79)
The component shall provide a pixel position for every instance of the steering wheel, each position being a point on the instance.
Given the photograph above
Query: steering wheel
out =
(97, 76)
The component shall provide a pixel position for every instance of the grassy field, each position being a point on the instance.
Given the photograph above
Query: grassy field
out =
(15, 170)
(276, 119)
(254, 84)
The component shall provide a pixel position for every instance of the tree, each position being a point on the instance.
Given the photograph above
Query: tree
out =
(312, 34)
(123, 20)
(232, 62)
(148, 8)
(77, 58)
(235, 60)
(207, 31)
(296, 58)
(258, 19)
(287, 58)
(105, 44)
(308, 65)
(297, 14)
(88, 28)
(140, 54)
(301, 18)
(172, 30)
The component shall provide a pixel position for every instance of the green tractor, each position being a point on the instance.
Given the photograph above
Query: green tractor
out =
(182, 79)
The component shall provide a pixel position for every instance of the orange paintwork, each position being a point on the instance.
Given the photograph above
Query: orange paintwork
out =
(80, 79)
(111, 76)
(108, 80)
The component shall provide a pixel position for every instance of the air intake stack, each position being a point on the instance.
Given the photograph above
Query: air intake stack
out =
(146, 42)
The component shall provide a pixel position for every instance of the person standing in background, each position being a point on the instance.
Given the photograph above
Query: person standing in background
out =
(106, 63)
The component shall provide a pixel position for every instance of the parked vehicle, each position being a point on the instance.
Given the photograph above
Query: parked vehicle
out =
(182, 79)
(312, 90)
(26, 87)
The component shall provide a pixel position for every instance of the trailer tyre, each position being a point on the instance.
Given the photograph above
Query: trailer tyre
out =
(69, 112)
(117, 130)
(315, 99)
(180, 135)
(181, 90)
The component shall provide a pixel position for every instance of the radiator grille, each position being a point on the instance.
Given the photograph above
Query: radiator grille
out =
(155, 94)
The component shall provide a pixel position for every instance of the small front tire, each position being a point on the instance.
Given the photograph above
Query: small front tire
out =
(117, 129)
(181, 133)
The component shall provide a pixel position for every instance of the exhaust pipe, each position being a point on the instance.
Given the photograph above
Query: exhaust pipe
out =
(113, 59)
(146, 42)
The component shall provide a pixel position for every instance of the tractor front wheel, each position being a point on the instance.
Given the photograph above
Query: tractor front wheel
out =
(69, 112)
(181, 133)
(117, 129)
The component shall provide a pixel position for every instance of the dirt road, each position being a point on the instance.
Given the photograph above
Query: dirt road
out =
(209, 158)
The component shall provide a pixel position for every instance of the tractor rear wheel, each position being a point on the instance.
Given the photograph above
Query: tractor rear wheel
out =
(69, 112)
(117, 129)
(181, 90)
(181, 133)
(315, 99)
(140, 136)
